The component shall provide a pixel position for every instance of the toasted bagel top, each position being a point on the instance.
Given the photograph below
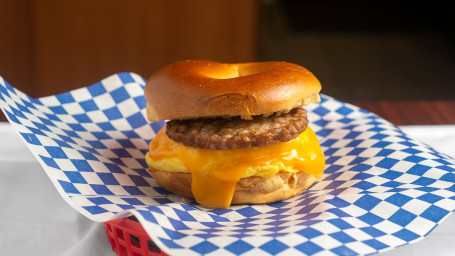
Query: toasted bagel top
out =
(202, 88)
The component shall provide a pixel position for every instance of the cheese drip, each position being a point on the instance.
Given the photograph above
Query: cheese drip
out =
(215, 173)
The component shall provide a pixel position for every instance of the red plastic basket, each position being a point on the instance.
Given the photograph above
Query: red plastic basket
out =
(128, 238)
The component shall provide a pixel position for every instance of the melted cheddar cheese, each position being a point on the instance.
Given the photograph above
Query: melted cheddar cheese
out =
(216, 172)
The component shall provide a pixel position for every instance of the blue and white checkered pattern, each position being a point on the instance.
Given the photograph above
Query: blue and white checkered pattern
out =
(380, 189)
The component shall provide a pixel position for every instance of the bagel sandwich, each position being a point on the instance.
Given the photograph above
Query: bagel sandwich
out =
(235, 133)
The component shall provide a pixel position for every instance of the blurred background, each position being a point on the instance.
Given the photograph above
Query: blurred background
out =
(359, 50)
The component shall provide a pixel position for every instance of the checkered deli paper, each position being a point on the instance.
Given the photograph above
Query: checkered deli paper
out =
(380, 189)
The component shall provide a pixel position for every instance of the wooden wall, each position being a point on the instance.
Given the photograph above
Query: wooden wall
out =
(51, 46)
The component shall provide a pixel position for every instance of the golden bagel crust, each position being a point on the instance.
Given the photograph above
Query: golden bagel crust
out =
(251, 190)
(202, 88)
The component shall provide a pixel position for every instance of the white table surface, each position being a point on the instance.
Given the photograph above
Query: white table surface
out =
(27, 227)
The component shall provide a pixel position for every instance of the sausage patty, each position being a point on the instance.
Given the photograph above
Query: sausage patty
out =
(234, 133)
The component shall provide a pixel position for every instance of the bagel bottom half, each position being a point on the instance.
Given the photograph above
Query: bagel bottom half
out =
(249, 190)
